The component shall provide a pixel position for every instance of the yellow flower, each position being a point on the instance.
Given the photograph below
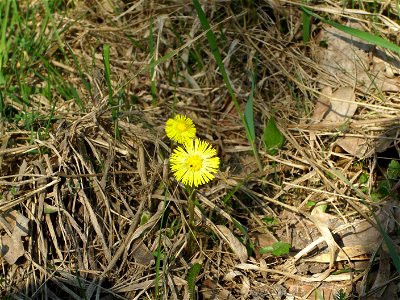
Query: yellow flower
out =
(180, 129)
(194, 163)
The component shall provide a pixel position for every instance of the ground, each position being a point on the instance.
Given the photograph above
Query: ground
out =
(301, 104)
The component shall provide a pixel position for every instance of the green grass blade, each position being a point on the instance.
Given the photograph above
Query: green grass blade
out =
(243, 230)
(53, 107)
(390, 245)
(158, 252)
(217, 56)
(249, 114)
(276, 249)
(229, 195)
(2, 108)
(164, 58)
(306, 27)
(194, 271)
(4, 45)
(49, 15)
(340, 295)
(111, 102)
(272, 137)
(80, 70)
(107, 73)
(366, 36)
(214, 49)
(388, 241)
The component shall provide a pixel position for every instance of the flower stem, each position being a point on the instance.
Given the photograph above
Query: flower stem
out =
(191, 245)
(192, 197)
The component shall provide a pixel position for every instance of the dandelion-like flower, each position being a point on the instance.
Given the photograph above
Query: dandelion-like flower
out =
(180, 129)
(194, 163)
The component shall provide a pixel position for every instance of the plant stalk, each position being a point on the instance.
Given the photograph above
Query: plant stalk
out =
(192, 245)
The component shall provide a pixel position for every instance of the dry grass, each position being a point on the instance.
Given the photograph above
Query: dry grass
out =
(98, 194)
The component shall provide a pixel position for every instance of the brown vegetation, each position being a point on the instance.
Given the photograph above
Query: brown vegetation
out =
(87, 206)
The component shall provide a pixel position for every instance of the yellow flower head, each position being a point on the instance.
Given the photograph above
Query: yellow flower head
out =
(194, 163)
(180, 129)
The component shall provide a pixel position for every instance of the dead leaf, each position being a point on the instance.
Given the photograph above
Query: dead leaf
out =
(383, 276)
(232, 274)
(326, 290)
(237, 247)
(355, 61)
(210, 290)
(328, 237)
(342, 105)
(12, 247)
(18, 222)
(262, 239)
(354, 146)
(363, 234)
(108, 6)
(386, 140)
(362, 238)
(357, 252)
(322, 105)
(337, 108)
(390, 291)
(324, 218)
(142, 254)
(225, 295)
(358, 241)
(245, 289)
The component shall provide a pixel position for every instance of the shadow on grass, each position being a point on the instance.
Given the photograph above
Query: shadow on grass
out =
(61, 285)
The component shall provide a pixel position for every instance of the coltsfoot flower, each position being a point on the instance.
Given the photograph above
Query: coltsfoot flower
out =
(194, 163)
(180, 129)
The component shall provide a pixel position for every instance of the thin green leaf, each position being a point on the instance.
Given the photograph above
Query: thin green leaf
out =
(340, 295)
(215, 51)
(242, 228)
(310, 203)
(191, 279)
(272, 137)
(306, 27)
(49, 14)
(249, 115)
(217, 56)
(107, 72)
(53, 107)
(145, 217)
(271, 221)
(277, 249)
(107, 75)
(322, 207)
(390, 245)
(366, 36)
(3, 42)
(393, 171)
(229, 195)
(159, 252)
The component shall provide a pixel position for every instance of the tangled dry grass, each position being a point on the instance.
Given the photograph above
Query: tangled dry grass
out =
(100, 214)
